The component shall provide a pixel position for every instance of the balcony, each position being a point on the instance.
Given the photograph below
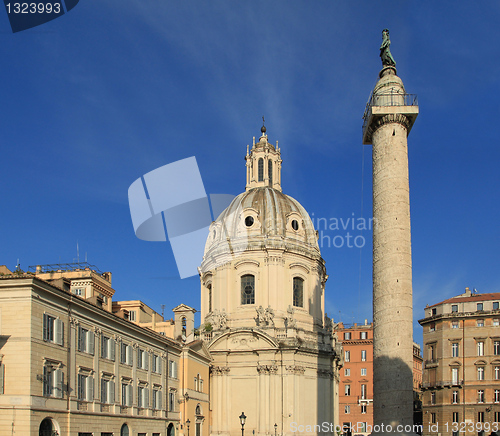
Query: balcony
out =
(439, 384)
(380, 105)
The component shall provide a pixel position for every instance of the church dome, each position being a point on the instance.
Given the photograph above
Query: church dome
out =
(261, 218)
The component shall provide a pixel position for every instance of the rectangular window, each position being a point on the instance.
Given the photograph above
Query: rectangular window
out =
(142, 397)
(434, 311)
(363, 371)
(433, 398)
(363, 355)
(495, 305)
(480, 416)
(142, 359)
(53, 380)
(497, 372)
(347, 356)
(53, 329)
(454, 308)
(454, 397)
(480, 373)
(496, 322)
(432, 352)
(156, 361)
(172, 369)
(433, 418)
(480, 322)
(363, 335)
(85, 387)
(171, 401)
(479, 306)
(480, 396)
(131, 315)
(455, 325)
(496, 348)
(79, 291)
(496, 396)
(347, 409)
(347, 372)
(198, 424)
(480, 348)
(157, 399)
(455, 417)
(454, 376)
(85, 340)
(107, 348)
(107, 391)
(363, 408)
(363, 392)
(347, 336)
(454, 349)
(432, 327)
(347, 390)
(126, 354)
(497, 417)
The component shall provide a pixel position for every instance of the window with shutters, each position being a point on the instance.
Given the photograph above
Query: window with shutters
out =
(53, 381)
(53, 329)
(107, 348)
(85, 387)
(107, 390)
(156, 362)
(157, 398)
(85, 340)
(127, 393)
(142, 397)
(171, 401)
(142, 359)
(126, 354)
(172, 369)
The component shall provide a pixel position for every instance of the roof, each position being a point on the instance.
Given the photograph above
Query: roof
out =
(474, 297)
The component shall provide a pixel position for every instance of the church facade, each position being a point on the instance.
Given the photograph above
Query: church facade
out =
(262, 311)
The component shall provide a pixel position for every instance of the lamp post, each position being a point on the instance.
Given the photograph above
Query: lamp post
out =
(242, 421)
(187, 425)
(275, 429)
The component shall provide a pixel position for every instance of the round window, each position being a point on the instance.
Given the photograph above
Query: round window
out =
(295, 225)
(249, 221)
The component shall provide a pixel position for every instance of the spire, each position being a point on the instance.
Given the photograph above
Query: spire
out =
(263, 163)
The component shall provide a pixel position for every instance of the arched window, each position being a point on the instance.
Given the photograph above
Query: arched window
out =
(184, 326)
(298, 292)
(209, 298)
(261, 170)
(248, 289)
(124, 430)
(270, 171)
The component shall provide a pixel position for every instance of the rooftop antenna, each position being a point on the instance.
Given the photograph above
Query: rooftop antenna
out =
(77, 252)
(162, 309)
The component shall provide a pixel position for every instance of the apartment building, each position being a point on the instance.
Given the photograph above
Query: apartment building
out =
(70, 366)
(461, 381)
(356, 378)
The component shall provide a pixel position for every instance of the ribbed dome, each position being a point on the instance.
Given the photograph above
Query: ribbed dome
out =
(262, 218)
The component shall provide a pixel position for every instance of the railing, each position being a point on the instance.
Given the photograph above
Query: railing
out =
(388, 99)
(430, 362)
(442, 383)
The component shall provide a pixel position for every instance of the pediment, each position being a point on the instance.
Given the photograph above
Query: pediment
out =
(243, 340)
(183, 308)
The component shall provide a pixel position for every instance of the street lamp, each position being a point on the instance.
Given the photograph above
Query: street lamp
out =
(275, 429)
(187, 425)
(242, 421)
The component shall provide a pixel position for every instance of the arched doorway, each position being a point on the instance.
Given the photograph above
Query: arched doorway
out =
(170, 430)
(124, 431)
(48, 428)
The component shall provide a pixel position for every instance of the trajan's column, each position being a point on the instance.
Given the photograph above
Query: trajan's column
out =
(389, 116)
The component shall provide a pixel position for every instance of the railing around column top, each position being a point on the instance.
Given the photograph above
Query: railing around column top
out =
(388, 99)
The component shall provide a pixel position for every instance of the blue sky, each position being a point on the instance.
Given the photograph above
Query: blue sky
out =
(112, 90)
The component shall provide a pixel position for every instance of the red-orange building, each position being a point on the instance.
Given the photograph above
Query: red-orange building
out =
(356, 378)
